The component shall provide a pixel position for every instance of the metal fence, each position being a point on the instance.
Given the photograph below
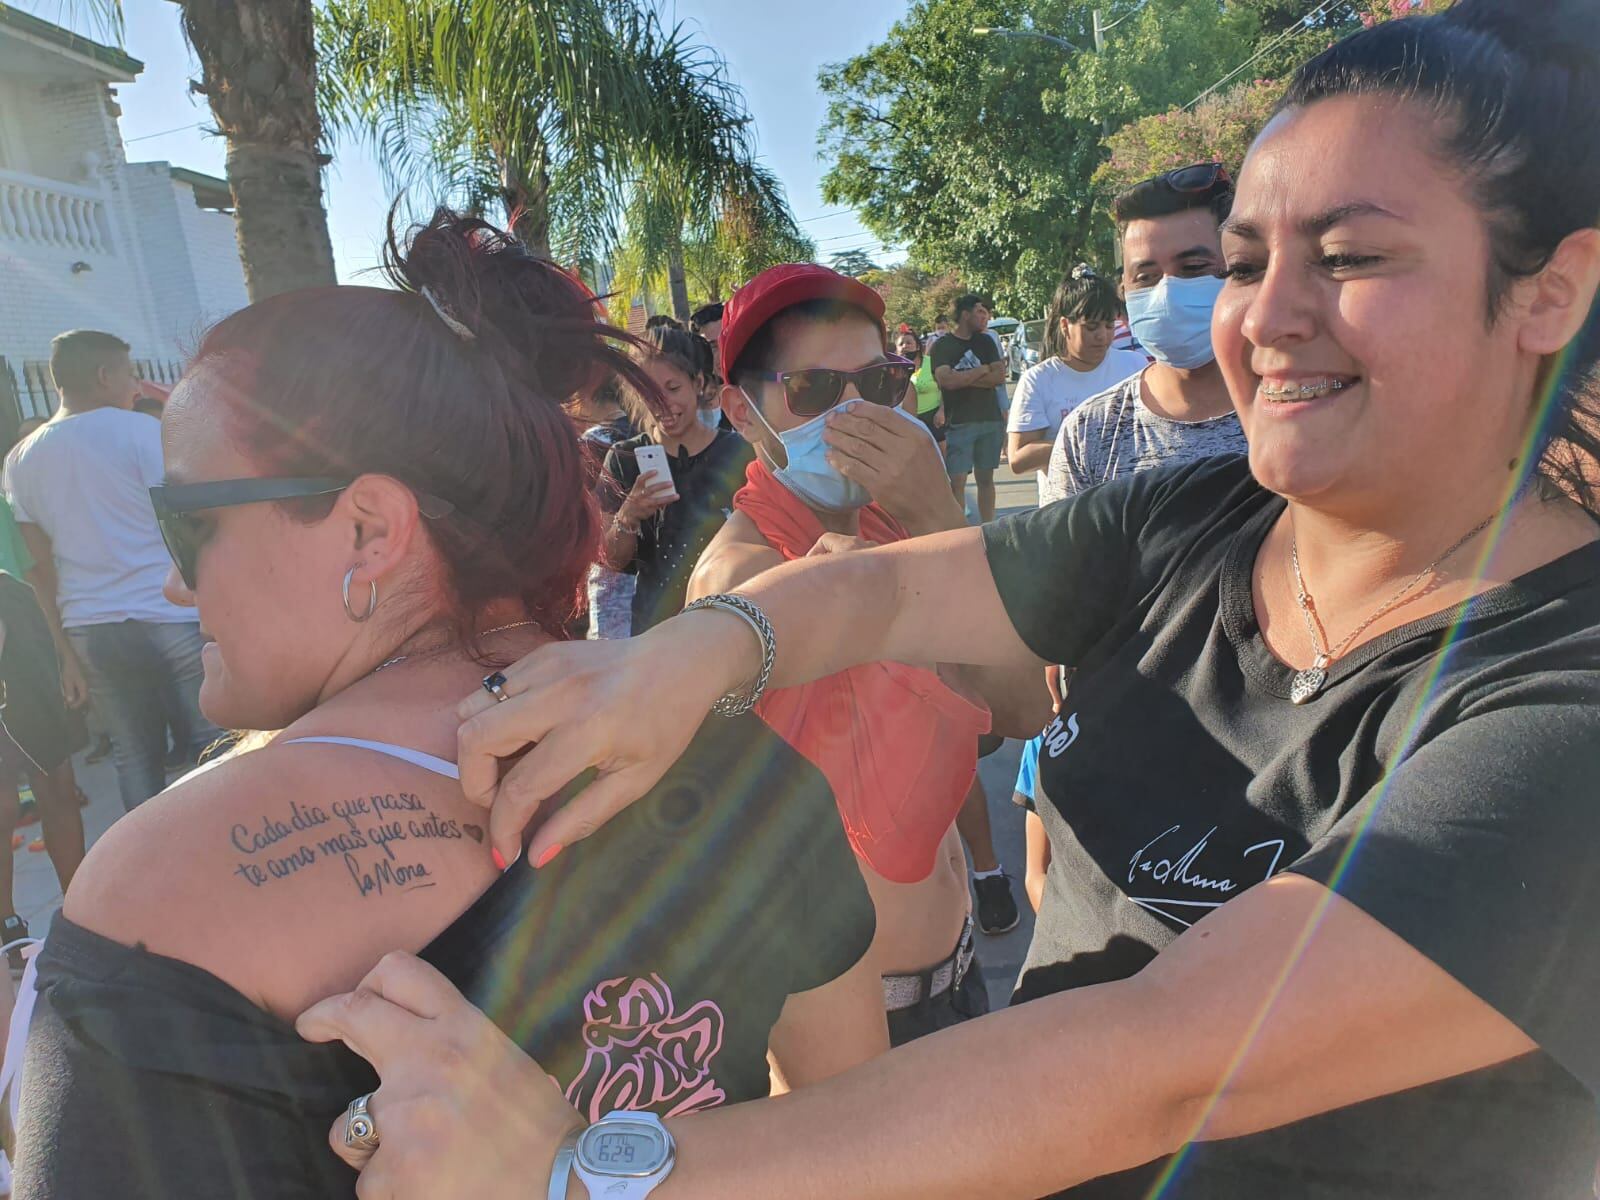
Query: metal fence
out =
(26, 390)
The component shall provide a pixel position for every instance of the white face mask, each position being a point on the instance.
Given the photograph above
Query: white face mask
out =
(711, 417)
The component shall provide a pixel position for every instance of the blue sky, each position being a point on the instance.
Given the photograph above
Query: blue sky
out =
(774, 50)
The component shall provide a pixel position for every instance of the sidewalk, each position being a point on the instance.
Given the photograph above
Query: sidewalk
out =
(37, 895)
(1002, 957)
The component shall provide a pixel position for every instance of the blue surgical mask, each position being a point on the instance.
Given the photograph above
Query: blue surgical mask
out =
(1173, 320)
(809, 474)
(711, 417)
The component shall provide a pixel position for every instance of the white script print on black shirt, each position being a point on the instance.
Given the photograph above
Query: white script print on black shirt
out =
(1182, 877)
(1163, 863)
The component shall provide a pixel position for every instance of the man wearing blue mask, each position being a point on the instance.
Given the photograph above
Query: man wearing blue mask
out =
(1177, 408)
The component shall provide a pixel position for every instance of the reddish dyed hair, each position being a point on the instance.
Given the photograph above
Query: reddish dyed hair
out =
(349, 381)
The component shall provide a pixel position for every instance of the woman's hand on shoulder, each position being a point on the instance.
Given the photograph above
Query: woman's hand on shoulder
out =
(627, 708)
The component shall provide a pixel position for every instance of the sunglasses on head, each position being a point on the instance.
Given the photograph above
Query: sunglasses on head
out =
(814, 390)
(1201, 177)
(185, 534)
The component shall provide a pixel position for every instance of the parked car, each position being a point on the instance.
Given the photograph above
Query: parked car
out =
(1025, 347)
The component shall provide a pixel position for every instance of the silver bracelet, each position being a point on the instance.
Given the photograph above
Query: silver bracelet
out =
(737, 703)
(561, 1169)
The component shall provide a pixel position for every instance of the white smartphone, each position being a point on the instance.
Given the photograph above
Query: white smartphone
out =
(652, 462)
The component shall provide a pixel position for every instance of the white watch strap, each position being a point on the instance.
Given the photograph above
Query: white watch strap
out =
(561, 1169)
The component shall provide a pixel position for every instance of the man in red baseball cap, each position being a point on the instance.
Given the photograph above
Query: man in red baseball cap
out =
(839, 467)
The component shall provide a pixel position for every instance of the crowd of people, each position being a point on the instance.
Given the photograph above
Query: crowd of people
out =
(612, 705)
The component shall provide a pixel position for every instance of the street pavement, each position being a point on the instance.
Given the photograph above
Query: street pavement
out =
(1002, 956)
(38, 897)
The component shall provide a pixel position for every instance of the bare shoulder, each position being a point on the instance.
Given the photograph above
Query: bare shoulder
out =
(736, 555)
(288, 871)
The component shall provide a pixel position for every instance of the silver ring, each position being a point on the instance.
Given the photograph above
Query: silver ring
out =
(495, 685)
(360, 1128)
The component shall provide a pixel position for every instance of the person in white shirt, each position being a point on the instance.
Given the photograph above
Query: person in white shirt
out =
(80, 489)
(1079, 362)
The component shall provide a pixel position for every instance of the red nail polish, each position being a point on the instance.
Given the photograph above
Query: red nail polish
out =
(497, 858)
(549, 853)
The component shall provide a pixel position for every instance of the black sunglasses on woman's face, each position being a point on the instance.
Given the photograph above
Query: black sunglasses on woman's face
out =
(184, 534)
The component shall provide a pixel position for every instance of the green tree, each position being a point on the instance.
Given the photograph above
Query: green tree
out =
(853, 262)
(1222, 126)
(671, 250)
(258, 73)
(978, 153)
(553, 111)
(1160, 54)
(1218, 129)
(914, 297)
(940, 140)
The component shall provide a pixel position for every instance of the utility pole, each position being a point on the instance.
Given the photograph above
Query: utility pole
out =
(1106, 131)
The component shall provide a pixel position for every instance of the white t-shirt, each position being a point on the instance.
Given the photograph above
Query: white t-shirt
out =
(85, 481)
(1050, 390)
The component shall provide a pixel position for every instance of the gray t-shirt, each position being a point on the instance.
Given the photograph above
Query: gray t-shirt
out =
(1115, 434)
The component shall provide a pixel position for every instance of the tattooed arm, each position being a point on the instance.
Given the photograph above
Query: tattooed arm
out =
(288, 871)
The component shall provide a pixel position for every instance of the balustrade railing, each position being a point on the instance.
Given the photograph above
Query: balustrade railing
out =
(48, 212)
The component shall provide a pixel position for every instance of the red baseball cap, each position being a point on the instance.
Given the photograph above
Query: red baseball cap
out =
(778, 288)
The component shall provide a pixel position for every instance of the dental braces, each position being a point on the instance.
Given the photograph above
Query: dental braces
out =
(1305, 391)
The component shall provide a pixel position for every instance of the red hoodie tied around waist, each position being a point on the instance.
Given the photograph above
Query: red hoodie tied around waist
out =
(897, 744)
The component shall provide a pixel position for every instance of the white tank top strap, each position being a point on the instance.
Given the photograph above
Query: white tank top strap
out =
(428, 762)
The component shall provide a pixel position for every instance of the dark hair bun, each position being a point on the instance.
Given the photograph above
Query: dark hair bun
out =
(1566, 31)
(540, 323)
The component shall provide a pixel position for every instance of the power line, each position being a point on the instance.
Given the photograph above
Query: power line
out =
(838, 212)
(145, 137)
(869, 248)
(843, 237)
(1277, 41)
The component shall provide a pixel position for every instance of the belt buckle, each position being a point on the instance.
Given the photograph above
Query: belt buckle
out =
(965, 955)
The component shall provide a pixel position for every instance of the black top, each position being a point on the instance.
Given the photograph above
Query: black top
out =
(643, 968)
(1478, 852)
(671, 542)
(973, 405)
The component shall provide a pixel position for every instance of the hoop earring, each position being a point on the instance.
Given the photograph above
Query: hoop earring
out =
(372, 599)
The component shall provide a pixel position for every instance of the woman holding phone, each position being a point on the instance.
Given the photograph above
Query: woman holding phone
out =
(668, 491)
(1335, 939)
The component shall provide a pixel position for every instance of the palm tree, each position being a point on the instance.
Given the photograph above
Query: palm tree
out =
(258, 65)
(258, 70)
(557, 112)
(677, 241)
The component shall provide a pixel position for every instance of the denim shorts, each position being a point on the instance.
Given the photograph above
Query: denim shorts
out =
(976, 445)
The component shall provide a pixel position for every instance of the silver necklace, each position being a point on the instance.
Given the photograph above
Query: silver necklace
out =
(400, 658)
(503, 628)
(1309, 682)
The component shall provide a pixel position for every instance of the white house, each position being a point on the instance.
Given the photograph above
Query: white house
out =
(87, 239)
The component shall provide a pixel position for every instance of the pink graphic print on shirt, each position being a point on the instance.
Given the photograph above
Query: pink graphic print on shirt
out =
(642, 1054)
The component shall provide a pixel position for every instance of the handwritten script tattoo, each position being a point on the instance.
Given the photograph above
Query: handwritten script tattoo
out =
(373, 837)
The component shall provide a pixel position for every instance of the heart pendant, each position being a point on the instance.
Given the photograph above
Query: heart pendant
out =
(1307, 684)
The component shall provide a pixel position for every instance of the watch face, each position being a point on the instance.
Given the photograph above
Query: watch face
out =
(624, 1149)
